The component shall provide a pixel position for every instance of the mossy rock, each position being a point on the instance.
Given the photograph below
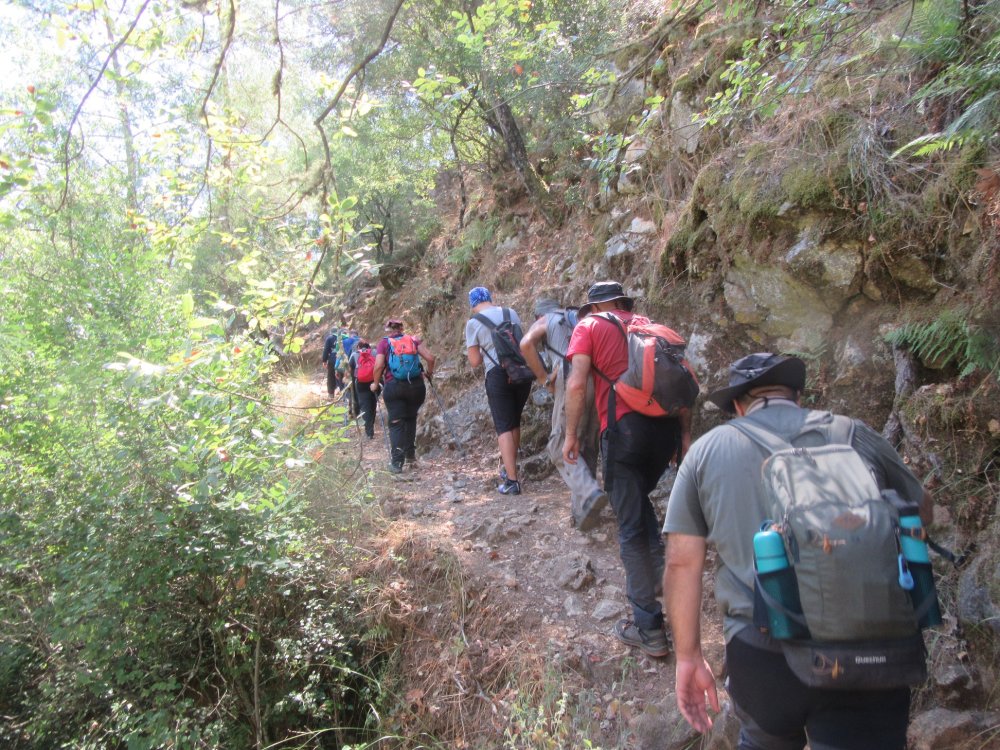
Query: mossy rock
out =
(686, 84)
(808, 185)
(708, 184)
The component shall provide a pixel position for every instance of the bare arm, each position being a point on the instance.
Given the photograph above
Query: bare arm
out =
(429, 358)
(475, 356)
(529, 348)
(377, 372)
(576, 395)
(682, 584)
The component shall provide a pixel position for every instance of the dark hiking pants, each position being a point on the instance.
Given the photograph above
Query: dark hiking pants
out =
(403, 400)
(640, 449)
(367, 403)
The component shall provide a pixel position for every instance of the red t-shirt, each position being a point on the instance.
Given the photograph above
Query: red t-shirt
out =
(602, 341)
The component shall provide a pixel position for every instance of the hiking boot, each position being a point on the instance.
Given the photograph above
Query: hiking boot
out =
(588, 515)
(395, 469)
(510, 487)
(652, 642)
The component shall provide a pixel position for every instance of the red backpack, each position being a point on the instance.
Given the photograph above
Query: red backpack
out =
(364, 370)
(658, 381)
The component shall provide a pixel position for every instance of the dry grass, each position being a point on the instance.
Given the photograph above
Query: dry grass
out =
(460, 663)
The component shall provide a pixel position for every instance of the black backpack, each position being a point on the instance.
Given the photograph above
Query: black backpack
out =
(507, 347)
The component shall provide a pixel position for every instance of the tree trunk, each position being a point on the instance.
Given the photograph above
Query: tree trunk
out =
(518, 156)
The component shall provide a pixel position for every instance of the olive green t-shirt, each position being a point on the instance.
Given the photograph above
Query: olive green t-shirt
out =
(718, 494)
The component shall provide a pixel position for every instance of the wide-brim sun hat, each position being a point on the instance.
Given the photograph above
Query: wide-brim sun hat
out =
(605, 291)
(761, 368)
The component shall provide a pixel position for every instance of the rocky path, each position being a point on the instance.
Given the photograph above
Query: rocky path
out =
(560, 591)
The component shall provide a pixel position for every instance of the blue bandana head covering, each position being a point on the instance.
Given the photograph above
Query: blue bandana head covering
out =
(479, 294)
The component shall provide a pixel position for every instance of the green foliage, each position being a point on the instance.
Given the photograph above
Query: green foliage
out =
(475, 236)
(781, 62)
(160, 583)
(951, 338)
(608, 149)
(967, 49)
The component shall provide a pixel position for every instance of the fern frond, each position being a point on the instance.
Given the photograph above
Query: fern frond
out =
(951, 339)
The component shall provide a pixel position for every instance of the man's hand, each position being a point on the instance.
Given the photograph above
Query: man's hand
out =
(696, 686)
(373, 387)
(571, 448)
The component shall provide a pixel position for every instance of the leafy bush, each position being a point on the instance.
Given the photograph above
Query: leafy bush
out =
(161, 583)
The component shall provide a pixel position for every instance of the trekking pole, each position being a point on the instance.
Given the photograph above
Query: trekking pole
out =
(385, 431)
(444, 416)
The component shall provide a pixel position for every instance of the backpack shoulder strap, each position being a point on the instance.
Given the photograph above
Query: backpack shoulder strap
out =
(766, 439)
(613, 319)
(485, 321)
(492, 326)
(506, 314)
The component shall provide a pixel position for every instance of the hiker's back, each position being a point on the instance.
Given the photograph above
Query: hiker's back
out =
(846, 593)
(658, 381)
(403, 359)
(501, 347)
(558, 329)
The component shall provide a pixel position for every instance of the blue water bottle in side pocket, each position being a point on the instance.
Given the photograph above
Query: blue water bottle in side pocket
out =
(777, 587)
(916, 574)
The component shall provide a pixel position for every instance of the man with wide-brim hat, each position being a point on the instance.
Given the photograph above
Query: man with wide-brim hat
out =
(718, 494)
(551, 331)
(755, 373)
(606, 291)
(637, 450)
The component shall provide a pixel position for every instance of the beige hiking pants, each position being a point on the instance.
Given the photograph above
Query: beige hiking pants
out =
(579, 477)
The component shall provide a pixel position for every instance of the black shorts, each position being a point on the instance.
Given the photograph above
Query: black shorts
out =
(506, 401)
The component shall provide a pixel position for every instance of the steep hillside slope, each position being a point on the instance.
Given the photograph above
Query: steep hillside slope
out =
(797, 233)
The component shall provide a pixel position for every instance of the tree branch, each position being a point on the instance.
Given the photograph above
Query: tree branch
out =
(79, 108)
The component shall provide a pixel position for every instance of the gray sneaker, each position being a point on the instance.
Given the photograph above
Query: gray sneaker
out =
(652, 642)
(588, 515)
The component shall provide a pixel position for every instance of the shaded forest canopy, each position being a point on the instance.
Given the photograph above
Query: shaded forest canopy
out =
(190, 191)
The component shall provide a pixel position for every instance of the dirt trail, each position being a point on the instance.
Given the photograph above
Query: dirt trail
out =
(563, 589)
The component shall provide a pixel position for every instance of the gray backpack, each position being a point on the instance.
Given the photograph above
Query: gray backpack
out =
(841, 535)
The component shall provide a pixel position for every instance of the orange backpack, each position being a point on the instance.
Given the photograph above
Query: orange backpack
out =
(659, 381)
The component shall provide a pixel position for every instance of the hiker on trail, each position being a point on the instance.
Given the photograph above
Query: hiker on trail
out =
(331, 351)
(552, 329)
(506, 396)
(398, 365)
(363, 366)
(349, 341)
(637, 450)
(347, 344)
(719, 495)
